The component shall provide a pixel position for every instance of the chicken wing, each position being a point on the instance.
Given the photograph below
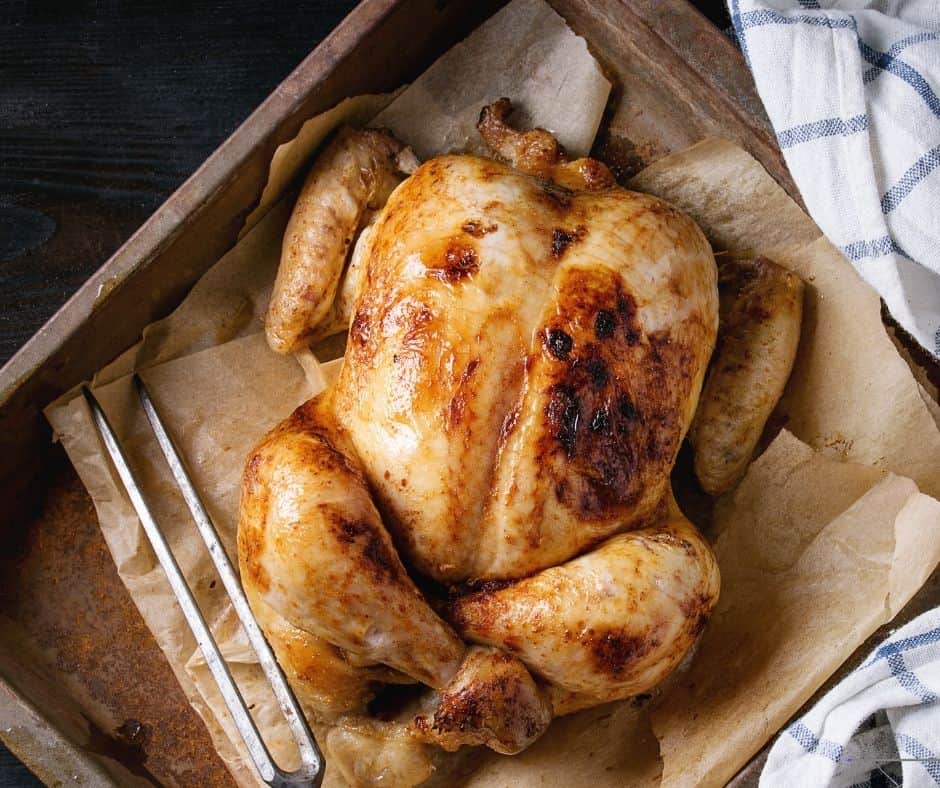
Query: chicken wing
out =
(350, 180)
(761, 309)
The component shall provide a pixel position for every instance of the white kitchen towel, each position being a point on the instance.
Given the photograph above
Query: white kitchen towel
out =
(830, 746)
(853, 91)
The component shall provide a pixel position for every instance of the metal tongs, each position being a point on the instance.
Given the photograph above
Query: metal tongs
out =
(310, 772)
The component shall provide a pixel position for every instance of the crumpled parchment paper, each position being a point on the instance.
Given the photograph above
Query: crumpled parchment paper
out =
(825, 539)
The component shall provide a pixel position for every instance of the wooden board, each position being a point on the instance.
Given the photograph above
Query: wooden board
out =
(88, 677)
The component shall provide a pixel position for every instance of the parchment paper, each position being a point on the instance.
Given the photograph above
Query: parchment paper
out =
(525, 45)
(806, 577)
(815, 551)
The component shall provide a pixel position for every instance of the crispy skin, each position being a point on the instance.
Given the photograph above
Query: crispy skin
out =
(609, 624)
(522, 365)
(374, 753)
(325, 683)
(334, 600)
(353, 176)
(493, 701)
(537, 152)
(307, 522)
(583, 175)
(761, 308)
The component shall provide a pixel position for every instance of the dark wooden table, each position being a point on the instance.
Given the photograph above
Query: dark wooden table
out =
(105, 108)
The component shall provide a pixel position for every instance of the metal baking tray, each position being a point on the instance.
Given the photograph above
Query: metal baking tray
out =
(85, 694)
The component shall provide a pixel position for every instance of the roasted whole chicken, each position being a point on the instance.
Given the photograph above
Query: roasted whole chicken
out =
(481, 503)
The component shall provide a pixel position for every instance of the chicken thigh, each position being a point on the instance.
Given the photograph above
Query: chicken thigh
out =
(527, 345)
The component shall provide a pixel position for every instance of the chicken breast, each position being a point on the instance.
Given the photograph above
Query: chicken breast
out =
(523, 364)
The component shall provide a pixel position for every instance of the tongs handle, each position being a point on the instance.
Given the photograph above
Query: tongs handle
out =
(310, 772)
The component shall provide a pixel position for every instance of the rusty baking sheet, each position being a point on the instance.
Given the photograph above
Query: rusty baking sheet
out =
(85, 694)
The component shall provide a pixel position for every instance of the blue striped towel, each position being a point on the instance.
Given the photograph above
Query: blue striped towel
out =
(880, 723)
(852, 88)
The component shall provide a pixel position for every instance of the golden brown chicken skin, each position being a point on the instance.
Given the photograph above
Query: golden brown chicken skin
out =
(338, 606)
(347, 184)
(522, 365)
(525, 357)
(761, 309)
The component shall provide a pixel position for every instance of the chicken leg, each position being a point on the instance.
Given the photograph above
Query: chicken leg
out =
(608, 624)
(313, 549)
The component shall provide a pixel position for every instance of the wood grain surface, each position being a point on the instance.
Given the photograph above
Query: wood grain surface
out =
(106, 108)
